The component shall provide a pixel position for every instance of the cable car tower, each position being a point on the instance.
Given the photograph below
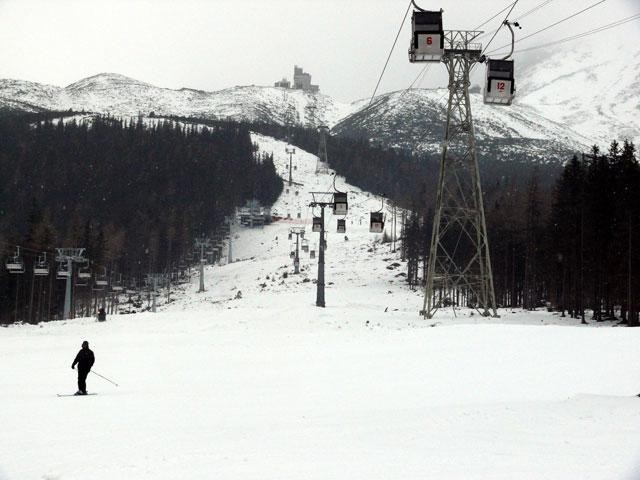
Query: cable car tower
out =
(322, 164)
(459, 266)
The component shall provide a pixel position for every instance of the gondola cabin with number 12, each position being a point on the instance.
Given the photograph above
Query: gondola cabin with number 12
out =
(500, 87)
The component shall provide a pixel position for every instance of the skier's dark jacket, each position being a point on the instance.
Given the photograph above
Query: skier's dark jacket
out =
(84, 359)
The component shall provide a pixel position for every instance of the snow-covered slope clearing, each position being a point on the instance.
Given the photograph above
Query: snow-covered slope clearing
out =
(265, 385)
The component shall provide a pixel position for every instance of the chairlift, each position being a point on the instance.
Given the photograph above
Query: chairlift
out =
(340, 205)
(342, 225)
(317, 224)
(84, 273)
(15, 264)
(41, 267)
(427, 36)
(116, 285)
(64, 271)
(500, 83)
(101, 280)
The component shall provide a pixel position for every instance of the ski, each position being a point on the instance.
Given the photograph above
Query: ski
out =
(73, 394)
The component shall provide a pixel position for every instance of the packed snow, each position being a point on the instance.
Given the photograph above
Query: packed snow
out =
(262, 384)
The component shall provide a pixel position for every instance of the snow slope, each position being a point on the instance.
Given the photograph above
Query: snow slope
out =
(269, 386)
(591, 85)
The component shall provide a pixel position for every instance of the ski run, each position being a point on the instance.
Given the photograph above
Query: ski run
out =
(249, 380)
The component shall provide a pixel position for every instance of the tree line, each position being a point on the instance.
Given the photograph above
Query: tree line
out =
(134, 195)
(571, 247)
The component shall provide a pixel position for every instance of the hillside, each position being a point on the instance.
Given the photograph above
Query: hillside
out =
(591, 85)
(415, 120)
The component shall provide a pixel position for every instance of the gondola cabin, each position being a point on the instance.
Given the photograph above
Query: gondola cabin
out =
(305, 245)
(500, 86)
(342, 225)
(292, 254)
(312, 254)
(340, 206)
(317, 224)
(376, 224)
(427, 37)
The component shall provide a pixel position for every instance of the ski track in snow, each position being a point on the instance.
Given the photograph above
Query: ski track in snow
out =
(269, 386)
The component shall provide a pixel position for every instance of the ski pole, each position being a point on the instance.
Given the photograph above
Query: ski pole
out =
(102, 376)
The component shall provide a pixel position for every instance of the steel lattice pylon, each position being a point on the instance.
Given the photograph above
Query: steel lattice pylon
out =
(459, 266)
(322, 164)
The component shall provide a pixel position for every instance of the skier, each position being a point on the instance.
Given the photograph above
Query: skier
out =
(102, 315)
(84, 359)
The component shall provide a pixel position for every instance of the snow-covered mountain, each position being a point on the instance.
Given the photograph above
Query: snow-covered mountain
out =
(110, 93)
(593, 86)
(414, 119)
(565, 102)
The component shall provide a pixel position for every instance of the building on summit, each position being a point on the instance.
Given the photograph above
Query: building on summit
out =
(301, 81)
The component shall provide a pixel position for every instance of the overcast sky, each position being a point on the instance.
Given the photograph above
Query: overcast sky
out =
(215, 44)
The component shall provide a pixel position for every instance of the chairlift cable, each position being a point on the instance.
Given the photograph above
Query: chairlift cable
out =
(520, 17)
(501, 25)
(550, 26)
(583, 34)
(534, 9)
(487, 21)
(391, 51)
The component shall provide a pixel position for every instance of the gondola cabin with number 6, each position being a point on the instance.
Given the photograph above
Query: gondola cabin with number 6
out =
(500, 87)
(427, 37)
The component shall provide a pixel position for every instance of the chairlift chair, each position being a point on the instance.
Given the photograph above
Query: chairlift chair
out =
(342, 225)
(376, 224)
(84, 273)
(101, 280)
(340, 205)
(41, 267)
(317, 224)
(427, 36)
(500, 85)
(64, 271)
(15, 264)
